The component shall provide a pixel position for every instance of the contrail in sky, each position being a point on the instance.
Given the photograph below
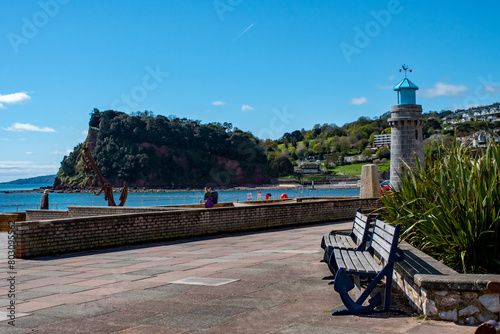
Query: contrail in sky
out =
(244, 31)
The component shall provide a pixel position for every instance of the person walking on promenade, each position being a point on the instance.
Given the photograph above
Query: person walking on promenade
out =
(208, 199)
(44, 202)
(214, 195)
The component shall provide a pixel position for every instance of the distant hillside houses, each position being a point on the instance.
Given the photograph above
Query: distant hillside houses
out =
(380, 141)
(309, 167)
(489, 113)
(480, 139)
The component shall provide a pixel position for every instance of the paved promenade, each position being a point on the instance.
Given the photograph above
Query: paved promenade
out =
(264, 282)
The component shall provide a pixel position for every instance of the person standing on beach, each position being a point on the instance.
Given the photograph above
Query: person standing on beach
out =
(44, 202)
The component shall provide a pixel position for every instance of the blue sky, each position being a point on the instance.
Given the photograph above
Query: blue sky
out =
(267, 67)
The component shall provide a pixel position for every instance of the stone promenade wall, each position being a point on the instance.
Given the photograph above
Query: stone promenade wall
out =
(443, 294)
(39, 238)
(6, 217)
(89, 211)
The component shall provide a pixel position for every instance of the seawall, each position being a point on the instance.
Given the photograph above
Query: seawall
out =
(98, 227)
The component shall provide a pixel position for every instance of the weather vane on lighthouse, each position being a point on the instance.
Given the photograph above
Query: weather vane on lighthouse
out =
(405, 68)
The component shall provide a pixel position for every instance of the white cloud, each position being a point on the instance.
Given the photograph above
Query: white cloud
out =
(67, 152)
(219, 103)
(11, 170)
(14, 98)
(22, 127)
(462, 107)
(358, 100)
(442, 89)
(29, 153)
(246, 107)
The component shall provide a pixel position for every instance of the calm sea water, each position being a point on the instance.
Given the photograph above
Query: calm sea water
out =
(26, 201)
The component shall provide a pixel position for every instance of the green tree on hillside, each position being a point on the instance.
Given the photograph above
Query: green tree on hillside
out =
(144, 149)
(280, 166)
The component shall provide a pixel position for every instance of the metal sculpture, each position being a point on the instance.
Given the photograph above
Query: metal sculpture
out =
(105, 186)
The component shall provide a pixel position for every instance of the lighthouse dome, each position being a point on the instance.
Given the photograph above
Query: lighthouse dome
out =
(406, 91)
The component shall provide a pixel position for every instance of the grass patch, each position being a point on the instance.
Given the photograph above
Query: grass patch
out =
(355, 169)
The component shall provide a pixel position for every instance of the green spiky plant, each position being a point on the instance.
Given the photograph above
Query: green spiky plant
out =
(450, 208)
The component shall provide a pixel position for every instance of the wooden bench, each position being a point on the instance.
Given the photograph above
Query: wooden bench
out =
(355, 240)
(383, 247)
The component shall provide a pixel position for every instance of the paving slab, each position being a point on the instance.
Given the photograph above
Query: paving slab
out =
(74, 311)
(210, 281)
(56, 288)
(199, 319)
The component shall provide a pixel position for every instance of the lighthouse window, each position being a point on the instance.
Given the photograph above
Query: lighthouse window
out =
(416, 134)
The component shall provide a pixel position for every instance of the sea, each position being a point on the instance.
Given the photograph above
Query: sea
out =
(19, 202)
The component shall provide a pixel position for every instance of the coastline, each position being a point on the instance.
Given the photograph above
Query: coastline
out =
(336, 185)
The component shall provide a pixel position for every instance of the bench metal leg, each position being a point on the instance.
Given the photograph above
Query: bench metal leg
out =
(343, 285)
(357, 286)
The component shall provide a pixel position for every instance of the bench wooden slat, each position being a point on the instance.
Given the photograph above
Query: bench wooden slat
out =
(382, 243)
(375, 266)
(385, 236)
(368, 267)
(339, 241)
(380, 250)
(355, 261)
(362, 217)
(386, 226)
(347, 260)
(343, 243)
(347, 242)
(330, 240)
(353, 245)
(385, 230)
(327, 240)
(338, 258)
(359, 231)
